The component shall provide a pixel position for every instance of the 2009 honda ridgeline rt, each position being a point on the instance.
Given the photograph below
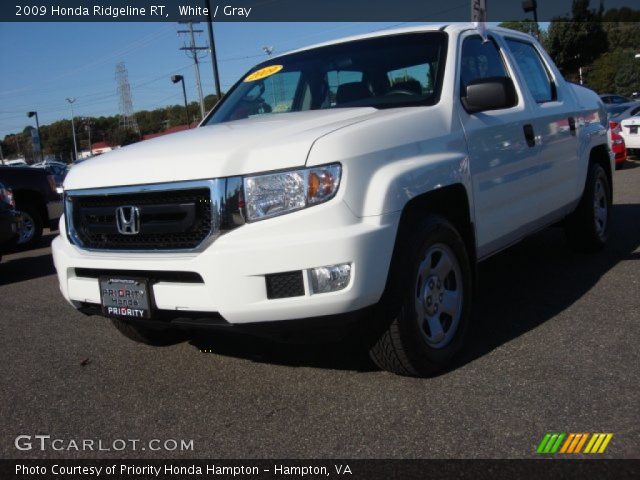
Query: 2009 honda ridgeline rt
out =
(370, 171)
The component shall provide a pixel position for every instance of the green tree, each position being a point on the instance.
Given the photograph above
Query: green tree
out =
(122, 137)
(527, 26)
(577, 41)
(622, 35)
(616, 71)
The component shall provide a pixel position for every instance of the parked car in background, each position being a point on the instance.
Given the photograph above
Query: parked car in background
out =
(629, 132)
(36, 197)
(20, 162)
(616, 104)
(58, 170)
(10, 219)
(618, 146)
(616, 118)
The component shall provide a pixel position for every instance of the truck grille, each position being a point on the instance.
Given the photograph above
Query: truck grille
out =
(160, 217)
(168, 220)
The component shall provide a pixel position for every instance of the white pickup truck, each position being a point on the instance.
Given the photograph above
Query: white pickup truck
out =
(365, 175)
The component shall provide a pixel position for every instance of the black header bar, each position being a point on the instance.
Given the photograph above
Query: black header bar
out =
(280, 10)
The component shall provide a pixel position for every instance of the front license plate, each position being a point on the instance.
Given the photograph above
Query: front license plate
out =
(633, 129)
(125, 297)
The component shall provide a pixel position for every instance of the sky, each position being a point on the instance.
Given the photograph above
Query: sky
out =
(44, 63)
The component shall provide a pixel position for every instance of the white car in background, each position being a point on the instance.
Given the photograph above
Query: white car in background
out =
(629, 131)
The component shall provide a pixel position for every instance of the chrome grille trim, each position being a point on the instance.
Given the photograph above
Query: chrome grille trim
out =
(218, 189)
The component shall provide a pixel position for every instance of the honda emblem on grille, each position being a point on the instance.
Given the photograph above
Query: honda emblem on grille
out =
(128, 220)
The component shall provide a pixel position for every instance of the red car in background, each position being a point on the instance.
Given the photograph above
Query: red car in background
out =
(618, 146)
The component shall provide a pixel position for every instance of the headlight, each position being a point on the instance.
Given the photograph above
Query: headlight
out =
(279, 193)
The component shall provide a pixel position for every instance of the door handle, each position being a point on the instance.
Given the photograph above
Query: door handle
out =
(572, 125)
(529, 135)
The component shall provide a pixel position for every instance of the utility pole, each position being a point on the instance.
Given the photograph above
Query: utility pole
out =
(87, 127)
(212, 50)
(269, 51)
(73, 129)
(192, 50)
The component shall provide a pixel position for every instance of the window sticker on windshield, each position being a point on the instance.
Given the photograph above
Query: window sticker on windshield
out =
(263, 73)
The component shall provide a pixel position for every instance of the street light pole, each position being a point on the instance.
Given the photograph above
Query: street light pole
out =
(73, 128)
(532, 6)
(180, 78)
(32, 114)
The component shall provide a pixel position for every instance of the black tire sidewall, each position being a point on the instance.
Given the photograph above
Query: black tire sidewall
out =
(432, 231)
(596, 172)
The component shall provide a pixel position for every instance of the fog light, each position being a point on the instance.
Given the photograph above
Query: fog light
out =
(330, 278)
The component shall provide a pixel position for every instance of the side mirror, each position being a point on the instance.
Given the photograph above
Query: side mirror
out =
(491, 93)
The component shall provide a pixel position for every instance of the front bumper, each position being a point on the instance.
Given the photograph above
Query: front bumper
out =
(234, 266)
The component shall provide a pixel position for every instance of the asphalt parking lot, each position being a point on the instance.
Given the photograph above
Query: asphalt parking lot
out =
(554, 349)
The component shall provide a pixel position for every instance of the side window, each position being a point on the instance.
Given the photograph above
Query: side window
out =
(533, 70)
(479, 60)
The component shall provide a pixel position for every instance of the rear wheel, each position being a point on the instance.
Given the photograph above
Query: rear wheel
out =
(427, 305)
(587, 228)
(146, 335)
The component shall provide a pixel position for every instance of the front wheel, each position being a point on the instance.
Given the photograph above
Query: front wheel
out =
(587, 228)
(427, 305)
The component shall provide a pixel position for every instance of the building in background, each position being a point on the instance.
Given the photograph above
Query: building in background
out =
(97, 148)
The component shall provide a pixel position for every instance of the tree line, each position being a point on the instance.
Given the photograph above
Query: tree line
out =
(593, 46)
(57, 137)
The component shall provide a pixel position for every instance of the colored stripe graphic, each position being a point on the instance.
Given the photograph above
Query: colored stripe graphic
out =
(567, 443)
(598, 443)
(550, 443)
(572, 443)
(582, 440)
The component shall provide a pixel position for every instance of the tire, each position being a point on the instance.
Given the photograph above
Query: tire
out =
(587, 228)
(32, 225)
(148, 336)
(410, 342)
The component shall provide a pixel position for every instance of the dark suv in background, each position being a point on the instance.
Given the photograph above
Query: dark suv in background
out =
(10, 220)
(36, 197)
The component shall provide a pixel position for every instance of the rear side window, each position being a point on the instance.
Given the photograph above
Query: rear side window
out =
(534, 71)
(480, 60)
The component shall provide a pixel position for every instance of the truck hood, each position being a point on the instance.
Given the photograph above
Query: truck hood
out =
(258, 144)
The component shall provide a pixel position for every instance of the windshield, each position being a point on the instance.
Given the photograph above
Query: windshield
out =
(382, 72)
